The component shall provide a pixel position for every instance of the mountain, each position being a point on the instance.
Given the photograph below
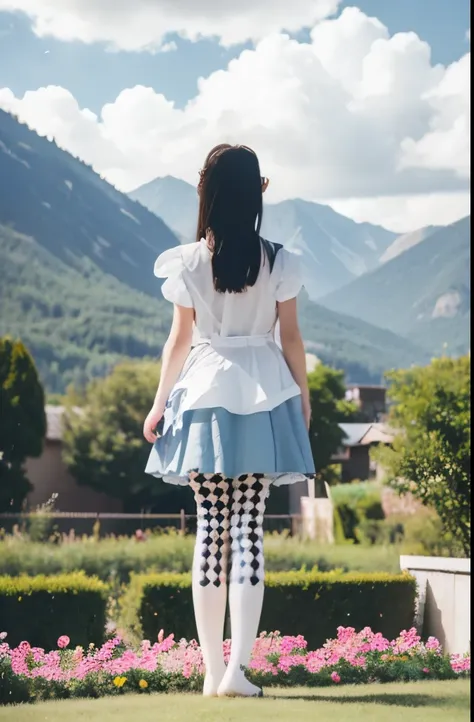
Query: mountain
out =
(70, 211)
(76, 279)
(408, 240)
(361, 350)
(77, 324)
(76, 258)
(423, 293)
(173, 200)
(335, 249)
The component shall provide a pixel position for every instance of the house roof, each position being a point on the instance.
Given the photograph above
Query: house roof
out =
(364, 434)
(378, 434)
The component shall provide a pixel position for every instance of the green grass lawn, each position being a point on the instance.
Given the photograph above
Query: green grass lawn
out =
(415, 702)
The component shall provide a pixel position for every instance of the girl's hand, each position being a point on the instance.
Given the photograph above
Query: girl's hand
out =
(151, 422)
(306, 411)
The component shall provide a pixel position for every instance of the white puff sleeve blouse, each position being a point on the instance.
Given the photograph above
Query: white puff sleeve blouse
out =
(289, 276)
(170, 265)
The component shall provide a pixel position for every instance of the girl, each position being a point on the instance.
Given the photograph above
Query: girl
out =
(235, 408)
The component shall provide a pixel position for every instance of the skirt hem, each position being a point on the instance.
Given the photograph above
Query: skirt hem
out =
(214, 441)
(276, 479)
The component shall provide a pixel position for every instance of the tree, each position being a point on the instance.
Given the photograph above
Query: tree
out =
(329, 408)
(431, 452)
(104, 446)
(22, 421)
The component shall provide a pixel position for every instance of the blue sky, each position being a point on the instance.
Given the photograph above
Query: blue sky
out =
(369, 111)
(96, 76)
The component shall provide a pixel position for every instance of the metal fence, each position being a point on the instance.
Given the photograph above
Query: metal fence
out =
(107, 524)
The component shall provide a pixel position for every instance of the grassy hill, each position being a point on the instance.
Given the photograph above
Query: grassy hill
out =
(77, 324)
(76, 259)
(49, 195)
(423, 293)
(362, 350)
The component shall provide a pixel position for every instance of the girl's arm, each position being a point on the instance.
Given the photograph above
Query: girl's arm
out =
(293, 351)
(175, 353)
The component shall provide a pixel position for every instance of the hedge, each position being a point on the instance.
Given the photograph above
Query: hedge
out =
(356, 504)
(41, 609)
(313, 604)
(116, 559)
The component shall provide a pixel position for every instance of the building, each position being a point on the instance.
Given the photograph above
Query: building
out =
(370, 401)
(49, 475)
(354, 455)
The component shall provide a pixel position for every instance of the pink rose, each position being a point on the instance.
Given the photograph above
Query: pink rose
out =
(63, 641)
(335, 677)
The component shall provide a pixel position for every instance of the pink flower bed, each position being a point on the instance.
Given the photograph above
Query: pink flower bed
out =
(168, 664)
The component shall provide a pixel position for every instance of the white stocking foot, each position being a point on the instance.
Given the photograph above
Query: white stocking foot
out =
(246, 587)
(237, 685)
(210, 573)
(212, 683)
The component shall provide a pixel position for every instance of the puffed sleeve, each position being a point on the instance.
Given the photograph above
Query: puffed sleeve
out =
(290, 280)
(170, 265)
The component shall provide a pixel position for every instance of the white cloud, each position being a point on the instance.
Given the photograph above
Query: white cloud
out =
(447, 144)
(407, 213)
(169, 47)
(144, 24)
(355, 117)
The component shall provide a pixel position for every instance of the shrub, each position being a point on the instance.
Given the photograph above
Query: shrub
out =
(358, 503)
(41, 609)
(431, 453)
(354, 492)
(309, 603)
(349, 520)
(339, 535)
(316, 603)
(421, 534)
(40, 523)
(118, 558)
(370, 507)
(22, 421)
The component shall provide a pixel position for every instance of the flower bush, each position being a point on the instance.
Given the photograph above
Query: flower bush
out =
(29, 673)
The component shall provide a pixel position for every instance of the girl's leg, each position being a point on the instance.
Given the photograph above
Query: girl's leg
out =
(212, 494)
(246, 587)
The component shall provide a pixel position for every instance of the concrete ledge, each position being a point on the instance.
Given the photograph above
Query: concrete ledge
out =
(436, 564)
(444, 599)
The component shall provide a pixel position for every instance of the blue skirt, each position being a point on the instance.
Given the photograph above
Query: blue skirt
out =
(214, 441)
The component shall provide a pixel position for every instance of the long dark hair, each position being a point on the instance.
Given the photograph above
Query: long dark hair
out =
(230, 215)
